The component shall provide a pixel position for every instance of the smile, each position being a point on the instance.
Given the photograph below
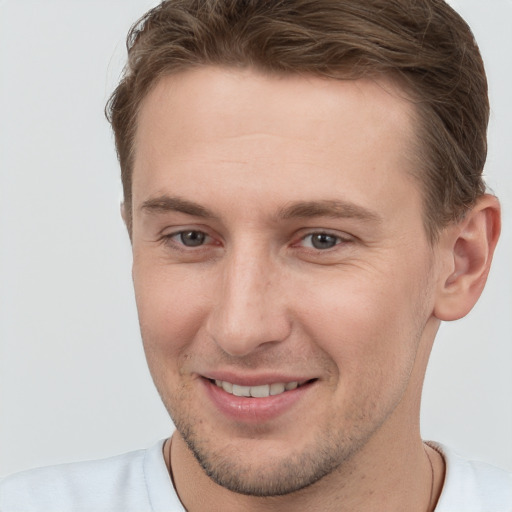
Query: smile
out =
(261, 391)
(256, 400)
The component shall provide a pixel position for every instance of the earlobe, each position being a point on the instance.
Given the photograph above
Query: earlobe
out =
(123, 212)
(470, 248)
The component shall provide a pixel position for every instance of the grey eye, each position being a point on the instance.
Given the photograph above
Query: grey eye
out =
(192, 238)
(323, 240)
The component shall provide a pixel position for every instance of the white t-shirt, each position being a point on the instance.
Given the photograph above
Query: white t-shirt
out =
(139, 482)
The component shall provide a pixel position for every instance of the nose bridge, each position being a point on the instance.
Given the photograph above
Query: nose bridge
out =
(249, 310)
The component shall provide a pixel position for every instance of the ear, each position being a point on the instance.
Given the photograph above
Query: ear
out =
(126, 219)
(467, 251)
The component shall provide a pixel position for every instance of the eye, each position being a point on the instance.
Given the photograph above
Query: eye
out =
(321, 241)
(190, 238)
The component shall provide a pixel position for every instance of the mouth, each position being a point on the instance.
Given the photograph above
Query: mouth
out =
(261, 391)
(256, 400)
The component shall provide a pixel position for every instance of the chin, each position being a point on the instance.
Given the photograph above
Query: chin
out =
(263, 468)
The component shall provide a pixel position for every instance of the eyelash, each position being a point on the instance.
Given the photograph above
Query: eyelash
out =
(338, 240)
(180, 245)
(170, 239)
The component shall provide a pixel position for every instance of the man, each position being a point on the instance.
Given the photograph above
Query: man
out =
(303, 193)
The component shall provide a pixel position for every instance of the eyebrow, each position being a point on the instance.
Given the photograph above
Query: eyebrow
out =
(328, 208)
(164, 204)
(295, 210)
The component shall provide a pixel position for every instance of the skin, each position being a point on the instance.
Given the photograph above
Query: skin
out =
(259, 166)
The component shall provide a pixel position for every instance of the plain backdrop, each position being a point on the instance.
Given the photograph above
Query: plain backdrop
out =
(73, 379)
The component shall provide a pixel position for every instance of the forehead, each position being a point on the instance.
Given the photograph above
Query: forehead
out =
(248, 100)
(242, 129)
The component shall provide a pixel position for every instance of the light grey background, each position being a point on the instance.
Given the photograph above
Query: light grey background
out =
(73, 380)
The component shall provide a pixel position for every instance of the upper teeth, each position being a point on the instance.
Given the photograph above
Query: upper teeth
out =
(256, 391)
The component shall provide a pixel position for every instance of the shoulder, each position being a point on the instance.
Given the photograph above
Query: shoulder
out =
(114, 484)
(472, 486)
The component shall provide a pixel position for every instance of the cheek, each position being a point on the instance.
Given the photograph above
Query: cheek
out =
(368, 325)
(170, 306)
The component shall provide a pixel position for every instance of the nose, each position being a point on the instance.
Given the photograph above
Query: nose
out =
(250, 309)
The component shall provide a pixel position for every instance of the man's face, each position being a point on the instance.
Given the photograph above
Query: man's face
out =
(279, 251)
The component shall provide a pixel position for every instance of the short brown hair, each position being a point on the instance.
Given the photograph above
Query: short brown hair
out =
(423, 44)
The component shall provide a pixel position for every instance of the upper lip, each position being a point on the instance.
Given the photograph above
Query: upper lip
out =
(254, 380)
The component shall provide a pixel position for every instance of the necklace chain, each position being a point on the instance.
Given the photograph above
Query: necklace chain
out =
(429, 508)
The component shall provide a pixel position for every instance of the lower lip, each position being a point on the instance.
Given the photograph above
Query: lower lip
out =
(254, 410)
